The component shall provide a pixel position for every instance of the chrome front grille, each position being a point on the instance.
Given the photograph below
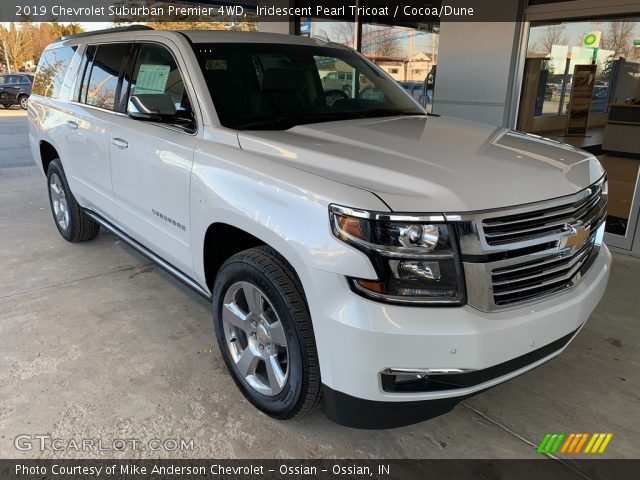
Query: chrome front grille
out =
(522, 254)
(539, 223)
(529, 280)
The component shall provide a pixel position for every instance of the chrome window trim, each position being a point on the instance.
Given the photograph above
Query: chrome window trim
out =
(140, 42)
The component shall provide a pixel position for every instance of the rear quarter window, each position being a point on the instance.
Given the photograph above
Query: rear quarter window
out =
(52, 68)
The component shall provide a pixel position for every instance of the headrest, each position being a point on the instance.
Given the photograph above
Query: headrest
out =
(281, 79)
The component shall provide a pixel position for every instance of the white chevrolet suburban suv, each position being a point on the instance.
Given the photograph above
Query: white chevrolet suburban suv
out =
(354, 247)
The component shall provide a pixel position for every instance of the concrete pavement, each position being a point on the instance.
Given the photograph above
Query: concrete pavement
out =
(97, 343)
(14, 146)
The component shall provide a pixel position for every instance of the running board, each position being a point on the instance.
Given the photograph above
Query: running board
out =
(188, 281)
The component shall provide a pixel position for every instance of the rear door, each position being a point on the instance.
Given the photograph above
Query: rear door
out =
(151, 162)
(89, 125)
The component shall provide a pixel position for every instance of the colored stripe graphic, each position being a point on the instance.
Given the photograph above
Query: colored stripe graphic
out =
(551, 442)
(573, 443)
(598, 442)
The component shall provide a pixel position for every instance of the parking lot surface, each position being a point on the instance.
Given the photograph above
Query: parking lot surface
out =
(97, 343)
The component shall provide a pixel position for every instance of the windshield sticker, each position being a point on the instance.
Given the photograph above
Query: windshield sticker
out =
(152, 79)
(216, 64)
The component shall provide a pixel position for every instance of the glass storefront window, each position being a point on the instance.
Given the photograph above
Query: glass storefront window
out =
(562, 46)
(409, 54)
(613, 46)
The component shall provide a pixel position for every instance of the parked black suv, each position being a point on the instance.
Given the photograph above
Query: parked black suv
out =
(15, 89)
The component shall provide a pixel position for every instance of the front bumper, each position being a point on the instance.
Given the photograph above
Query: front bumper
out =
(358, 339)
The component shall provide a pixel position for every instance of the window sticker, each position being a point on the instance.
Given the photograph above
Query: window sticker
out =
(152, 79)
(216, 64)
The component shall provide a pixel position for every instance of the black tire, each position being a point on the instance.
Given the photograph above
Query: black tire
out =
(23, 101)
(266, 269)
(7, 105)
(80, 226)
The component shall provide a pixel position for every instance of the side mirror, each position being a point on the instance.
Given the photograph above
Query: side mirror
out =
(155, 107)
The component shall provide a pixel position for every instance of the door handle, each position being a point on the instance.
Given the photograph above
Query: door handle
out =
(120, 143)
(72, 125)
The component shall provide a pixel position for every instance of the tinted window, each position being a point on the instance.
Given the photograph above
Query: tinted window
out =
(156, 73)
(103, 77)
(273, 86)
(51, 70)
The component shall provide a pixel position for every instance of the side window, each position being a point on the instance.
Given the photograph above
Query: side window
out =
(103, 75)
(157, 79)
(51, 70)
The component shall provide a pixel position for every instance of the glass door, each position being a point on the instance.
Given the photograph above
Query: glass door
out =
(621, 156)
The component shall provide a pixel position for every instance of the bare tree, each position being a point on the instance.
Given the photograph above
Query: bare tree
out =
(15, 46)
(553, 35)
(619, 38)
(380, 42)
(217, 21)
(341, 32)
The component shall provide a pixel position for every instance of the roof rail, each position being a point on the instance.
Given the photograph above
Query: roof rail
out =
(128, 28)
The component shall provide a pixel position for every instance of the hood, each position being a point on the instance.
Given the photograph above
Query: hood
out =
(434, 164)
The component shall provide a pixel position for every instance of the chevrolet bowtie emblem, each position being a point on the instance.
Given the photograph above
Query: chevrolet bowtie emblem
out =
(575, 236)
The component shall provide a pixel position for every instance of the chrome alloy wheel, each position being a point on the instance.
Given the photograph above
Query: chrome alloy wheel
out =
(255, 338)
(59, 202)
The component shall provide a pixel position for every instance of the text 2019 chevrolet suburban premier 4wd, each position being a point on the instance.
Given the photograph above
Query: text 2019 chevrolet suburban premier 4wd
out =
(353, 247)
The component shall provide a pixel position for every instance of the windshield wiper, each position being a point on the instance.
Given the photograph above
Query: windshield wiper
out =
(264, 124)
(389, 112)
(284, 123)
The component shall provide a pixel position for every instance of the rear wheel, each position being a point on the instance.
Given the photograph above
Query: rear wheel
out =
(24, 102)
(265, 333)
(73, 223)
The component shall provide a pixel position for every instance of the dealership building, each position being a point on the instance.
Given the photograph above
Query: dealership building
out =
(517, 74)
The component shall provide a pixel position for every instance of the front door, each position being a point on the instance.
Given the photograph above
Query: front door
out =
(151, 162)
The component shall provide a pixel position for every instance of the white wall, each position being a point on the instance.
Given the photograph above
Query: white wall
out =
(476, 70)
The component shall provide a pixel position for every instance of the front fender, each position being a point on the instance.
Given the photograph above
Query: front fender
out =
(284, 207)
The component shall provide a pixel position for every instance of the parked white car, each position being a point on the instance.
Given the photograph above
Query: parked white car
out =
(356, 249)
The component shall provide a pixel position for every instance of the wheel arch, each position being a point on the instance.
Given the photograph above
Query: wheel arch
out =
(48, 153)
(223, 240)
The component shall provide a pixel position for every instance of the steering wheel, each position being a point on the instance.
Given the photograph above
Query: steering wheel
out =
(332, 96)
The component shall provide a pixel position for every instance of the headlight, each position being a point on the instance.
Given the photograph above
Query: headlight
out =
(416, 258)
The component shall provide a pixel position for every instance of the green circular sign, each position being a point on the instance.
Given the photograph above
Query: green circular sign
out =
(590, 39)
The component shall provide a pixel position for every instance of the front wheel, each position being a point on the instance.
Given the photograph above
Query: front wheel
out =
(265, 333)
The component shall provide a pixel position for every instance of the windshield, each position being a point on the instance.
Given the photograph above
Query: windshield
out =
(275, 86)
